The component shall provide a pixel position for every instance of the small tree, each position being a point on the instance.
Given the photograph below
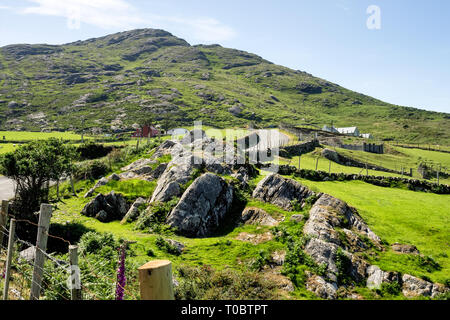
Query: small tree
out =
(33, 166)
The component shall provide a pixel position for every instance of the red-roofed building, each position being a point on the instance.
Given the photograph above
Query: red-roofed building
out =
(146, 132)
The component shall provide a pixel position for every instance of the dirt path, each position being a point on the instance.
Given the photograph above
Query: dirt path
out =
(6, 188)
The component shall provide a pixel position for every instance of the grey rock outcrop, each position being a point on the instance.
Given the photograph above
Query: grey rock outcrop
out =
(257, 216)
(320, 287)
(102, 182)
(405, 248)
(328, 213)
(106, 208)
(179, 171)
(414, 287)
(281, 191)
(133, 212)
(376, 277)
(202, 207)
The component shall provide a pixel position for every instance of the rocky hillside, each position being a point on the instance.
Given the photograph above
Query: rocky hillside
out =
(106, 84)
(206, 194)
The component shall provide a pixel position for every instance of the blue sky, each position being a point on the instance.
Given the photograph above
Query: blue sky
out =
(405, 62)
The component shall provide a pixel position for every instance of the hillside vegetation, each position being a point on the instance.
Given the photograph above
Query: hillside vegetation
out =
(108, 83)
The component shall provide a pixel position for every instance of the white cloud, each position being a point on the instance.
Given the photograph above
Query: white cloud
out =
(201, 29)
(105, 14)
(108, 14)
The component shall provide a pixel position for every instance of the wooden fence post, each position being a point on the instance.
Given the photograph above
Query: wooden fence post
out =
(317, 163)
(3, 218)
(75, 289)
(12, 234)
(41, 246)
(299, 161)
(155, 280)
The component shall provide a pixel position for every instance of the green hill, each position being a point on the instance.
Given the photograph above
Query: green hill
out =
(111, 81)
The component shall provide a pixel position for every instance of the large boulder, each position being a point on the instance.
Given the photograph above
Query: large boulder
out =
(106, 208)
(178, 172)
(202, 207)
(281, 191)
(329, 213)
(414, 287)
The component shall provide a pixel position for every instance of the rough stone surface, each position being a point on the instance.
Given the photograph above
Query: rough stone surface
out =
(192, 136)
(178, 172)
(320, 287)
(330, 155)
(177, 245)
(202, 207)
(405, 248)
(257, 216)
(413, 287)
(254, 238)
(297, 218)
(133, 212)
(280, 191)
(102, 182)
(106, 208)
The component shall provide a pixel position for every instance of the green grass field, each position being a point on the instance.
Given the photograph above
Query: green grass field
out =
(403, 216)
(29, 136)
(398, 158)
(7, 147)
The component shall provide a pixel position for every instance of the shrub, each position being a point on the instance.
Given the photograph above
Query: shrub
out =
(91, 150)
(205, 283)
(392, 288)
(94, 242)
(155, 216)
(92, 170)
(162, 244)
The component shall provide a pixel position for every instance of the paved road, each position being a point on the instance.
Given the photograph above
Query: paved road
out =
(6, 188)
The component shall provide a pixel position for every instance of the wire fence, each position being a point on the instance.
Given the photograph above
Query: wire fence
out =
(56, 280)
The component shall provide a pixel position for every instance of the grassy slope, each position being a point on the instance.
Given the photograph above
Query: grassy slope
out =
(182, 67)
(401, 216)
(398, 157)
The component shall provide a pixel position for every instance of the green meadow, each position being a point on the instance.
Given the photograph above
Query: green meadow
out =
(396, 215)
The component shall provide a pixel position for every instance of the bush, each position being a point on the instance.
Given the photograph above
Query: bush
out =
(205, 283)
(155, 216)
(92, 170)
(91, 150)
(166, 246)
(393, 288)
(94, 242)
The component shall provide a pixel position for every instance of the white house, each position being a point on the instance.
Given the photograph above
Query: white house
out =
(329, 129)
(350, 131)
(366, 135)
